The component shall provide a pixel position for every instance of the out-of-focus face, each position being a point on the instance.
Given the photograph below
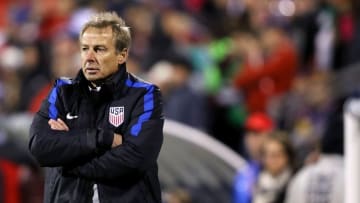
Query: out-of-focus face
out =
(99, 58)
(339, 3)
(274, 158)
(254, 142)
(271, 39)
(65, 52)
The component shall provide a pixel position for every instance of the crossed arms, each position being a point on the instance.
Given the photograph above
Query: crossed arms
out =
(99, 155)
(61, 125)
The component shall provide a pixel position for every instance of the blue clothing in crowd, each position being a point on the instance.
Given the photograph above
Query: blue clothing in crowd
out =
(245, 182)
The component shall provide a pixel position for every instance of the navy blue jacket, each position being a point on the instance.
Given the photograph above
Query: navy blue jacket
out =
(79, 158)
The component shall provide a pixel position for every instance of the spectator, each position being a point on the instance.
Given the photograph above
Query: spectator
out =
(324, 180)
(304, 111)
(9, 182)
(258, 127)
(262, 78)
(182, 103)
(64, 55)
(20, 178)
(11, 60)
(278, 156)
(32, 79)
(328, 33)
(347, 28)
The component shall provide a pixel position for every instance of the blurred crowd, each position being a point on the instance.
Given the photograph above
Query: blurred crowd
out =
(267, 78)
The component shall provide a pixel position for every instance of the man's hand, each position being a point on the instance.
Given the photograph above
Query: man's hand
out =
(58, 125)
(117, 140)
(61, 125)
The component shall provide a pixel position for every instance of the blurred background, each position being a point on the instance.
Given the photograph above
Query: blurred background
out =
(264, 79)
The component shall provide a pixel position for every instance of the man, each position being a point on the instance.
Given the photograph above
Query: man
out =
(100, 134)
(258, 127)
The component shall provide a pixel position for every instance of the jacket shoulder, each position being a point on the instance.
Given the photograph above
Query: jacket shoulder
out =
(63, 81)
(137, 83)
(64, 85)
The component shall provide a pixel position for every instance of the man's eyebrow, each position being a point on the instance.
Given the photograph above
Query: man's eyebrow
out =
(96, 45)
(99, 45)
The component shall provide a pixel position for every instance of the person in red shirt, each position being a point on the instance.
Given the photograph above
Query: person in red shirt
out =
(10, 182)
(268, 69)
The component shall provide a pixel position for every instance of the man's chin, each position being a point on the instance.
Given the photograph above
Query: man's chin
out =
(92, 78)
(96, 80)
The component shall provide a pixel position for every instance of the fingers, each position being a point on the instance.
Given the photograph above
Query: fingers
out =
(54, 125)
(63, 124)
(117, 140)
(58, 125)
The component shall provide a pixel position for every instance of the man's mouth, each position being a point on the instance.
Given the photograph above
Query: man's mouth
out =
(92, 70)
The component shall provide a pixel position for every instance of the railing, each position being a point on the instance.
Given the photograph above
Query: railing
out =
(352, 151)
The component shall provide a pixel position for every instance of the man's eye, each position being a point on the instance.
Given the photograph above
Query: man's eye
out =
(100, 49)
(84, 48)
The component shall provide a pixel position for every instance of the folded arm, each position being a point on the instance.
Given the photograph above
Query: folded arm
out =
(140, 147)
(52, 143)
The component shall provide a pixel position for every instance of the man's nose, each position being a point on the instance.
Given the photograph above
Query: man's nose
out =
(90, 55)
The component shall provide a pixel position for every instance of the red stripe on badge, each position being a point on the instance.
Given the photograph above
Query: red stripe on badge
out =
(116, 115)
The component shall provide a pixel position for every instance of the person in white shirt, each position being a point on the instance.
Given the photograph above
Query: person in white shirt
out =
(323, 181)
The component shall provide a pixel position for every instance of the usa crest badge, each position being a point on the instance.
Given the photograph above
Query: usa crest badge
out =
(116, 115)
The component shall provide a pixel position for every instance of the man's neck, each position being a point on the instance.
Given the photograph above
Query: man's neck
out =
(98, 83)
(93, 87)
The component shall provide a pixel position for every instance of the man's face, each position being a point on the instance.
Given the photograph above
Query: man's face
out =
(99, 59)
(253, 143)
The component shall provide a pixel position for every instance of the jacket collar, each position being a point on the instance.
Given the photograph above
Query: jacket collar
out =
(111, 87)
(113, 82)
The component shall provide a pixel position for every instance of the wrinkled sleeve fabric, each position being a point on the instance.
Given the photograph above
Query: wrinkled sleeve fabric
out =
(58, 148)
(142, 141)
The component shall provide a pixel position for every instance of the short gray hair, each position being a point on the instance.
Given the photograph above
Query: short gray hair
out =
(121, 32)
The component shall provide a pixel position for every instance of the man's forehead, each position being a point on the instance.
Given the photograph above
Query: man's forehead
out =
(93, 32)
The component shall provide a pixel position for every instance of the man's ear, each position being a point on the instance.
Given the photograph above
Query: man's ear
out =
(122, 56)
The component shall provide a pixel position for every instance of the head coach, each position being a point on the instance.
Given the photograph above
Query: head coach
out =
(99, 135)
